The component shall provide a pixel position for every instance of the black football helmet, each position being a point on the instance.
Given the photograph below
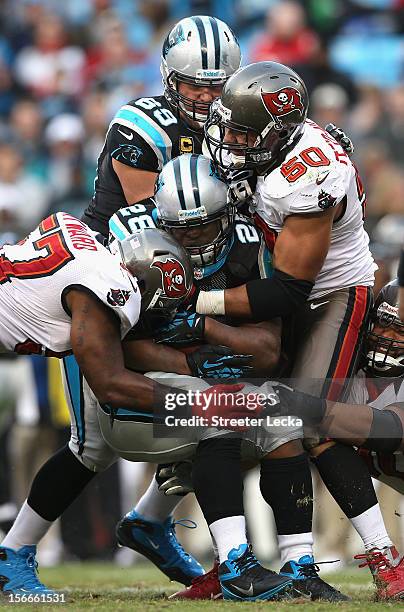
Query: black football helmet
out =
(265, 105)
(385, 341)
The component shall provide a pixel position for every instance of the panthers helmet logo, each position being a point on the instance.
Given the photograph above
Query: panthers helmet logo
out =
(282, 102)
(173, 276)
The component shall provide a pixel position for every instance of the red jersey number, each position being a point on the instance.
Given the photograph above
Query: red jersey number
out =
(56, 256)
(294, 168)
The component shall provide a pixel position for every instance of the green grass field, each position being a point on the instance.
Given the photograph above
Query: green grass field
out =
(91, 586)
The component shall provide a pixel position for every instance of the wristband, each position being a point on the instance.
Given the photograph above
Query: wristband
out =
(211, 303)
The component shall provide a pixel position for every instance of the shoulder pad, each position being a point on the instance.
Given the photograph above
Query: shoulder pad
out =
(130, 219)
(148, 118)
(317, 163)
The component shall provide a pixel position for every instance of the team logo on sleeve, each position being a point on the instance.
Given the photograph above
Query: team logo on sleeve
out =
(325, 200)
(118, 297)
(282, 102)
(173, 275)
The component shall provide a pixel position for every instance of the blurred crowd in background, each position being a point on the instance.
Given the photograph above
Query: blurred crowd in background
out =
(65, 69)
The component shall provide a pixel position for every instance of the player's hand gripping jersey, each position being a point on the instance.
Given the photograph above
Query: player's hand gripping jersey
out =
(36, 275)
(316, 175)
(144, 134)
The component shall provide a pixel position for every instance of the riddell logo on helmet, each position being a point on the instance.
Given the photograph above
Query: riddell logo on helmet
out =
(173, 275)
(282, 102)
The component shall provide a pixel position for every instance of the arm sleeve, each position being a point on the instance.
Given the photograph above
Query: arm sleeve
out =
(278, 296)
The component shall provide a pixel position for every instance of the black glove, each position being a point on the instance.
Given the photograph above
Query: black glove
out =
(289, 402)
(178, 478)
(185, 328)
(340, 136)
(242, 184)
(218, 362)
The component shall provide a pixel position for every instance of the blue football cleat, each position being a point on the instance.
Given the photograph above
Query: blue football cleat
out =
(18, 572)
(306, 580)
(158, 542)
(243, 578)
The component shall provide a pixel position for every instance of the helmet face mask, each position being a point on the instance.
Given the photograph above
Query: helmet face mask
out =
(194, 110)
(385, 340)
(202, 52)
(192, 205)
(260, 115)
(212, 245)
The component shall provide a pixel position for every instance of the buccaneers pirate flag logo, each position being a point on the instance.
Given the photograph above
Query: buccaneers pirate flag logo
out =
(174, 277)
(282, 102)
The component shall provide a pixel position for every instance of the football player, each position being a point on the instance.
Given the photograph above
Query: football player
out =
(199, 54)
(373, 421)
(226, 250)
(309, 202)
(62, 292)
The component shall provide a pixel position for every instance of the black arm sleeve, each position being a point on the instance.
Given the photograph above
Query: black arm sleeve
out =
(278, 296)
(401, 270)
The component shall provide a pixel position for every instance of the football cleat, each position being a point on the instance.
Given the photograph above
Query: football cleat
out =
(306, 580)
(387, 568)
(203, 587)
(158, 542)
(19, 572)
(243, 578)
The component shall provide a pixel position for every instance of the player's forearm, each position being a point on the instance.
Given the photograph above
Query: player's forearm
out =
(145, 356)
(130, 390)
(261, 300)
(263, 342)
(353, 424)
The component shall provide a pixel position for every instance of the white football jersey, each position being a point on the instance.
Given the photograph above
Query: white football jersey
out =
(36, 274)
(387, 467)
(316, 175)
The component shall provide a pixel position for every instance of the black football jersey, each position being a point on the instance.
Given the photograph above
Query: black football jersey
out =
(145, 134)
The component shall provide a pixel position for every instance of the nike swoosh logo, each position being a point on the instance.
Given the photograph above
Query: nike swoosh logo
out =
(128, 136)
(322, 179)
(211, 365)
(249, 591)
(314, 306)
(155, 546)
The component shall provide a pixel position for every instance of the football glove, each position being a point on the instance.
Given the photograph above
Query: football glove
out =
(286, 401)
(340, 136)
(184, 329)
(218, 362)
(242, 184)
(178, 478)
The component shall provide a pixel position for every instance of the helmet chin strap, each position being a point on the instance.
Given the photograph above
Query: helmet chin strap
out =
(385, 361)
(237, 161)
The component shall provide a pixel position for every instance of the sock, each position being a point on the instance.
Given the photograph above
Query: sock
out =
(228, 533)
(57, 484)
(371, 528)
(347, 478)
(294, 546)
(219, 491)
(154, 505)
(28, 529)
(286, 486)
(215, 549)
